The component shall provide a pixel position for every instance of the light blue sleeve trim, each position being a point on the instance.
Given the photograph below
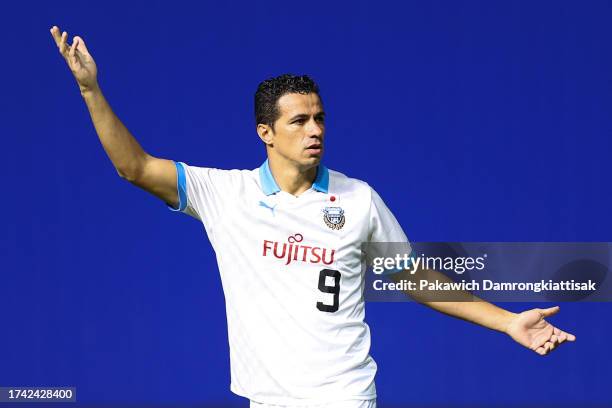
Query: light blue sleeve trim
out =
(181, 186)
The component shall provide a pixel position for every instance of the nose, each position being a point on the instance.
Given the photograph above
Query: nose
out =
(314, 129)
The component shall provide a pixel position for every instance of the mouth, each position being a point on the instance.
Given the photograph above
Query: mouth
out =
(315, 149)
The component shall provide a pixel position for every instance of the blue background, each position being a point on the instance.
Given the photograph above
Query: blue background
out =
(474, 120)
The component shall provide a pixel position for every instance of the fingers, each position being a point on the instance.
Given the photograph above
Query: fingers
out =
(557, 338)
(61, 40)
(56, 35)
(545, 348)
(563, 336)
(81, 47)
(73, 48)
(549, 312)
(545, 343)
(570, 337)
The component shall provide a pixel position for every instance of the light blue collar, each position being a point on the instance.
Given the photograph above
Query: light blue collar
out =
(269, 186)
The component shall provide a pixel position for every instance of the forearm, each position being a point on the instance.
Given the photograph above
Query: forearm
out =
(155, 175)
(480, 312)
(459, 304)
(122, 148)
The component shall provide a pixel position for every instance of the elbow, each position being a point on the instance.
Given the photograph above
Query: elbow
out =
(130, 175)
(134, 170)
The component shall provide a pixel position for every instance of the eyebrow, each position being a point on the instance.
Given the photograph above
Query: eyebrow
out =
(304, 116)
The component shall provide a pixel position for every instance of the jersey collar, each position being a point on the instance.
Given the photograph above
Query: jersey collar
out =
(269, 186)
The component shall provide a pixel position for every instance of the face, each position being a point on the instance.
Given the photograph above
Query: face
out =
(298, 133)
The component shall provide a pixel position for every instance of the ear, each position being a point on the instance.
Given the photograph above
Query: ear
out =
(266, 134)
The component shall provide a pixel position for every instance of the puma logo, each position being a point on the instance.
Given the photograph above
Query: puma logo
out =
(264, 205)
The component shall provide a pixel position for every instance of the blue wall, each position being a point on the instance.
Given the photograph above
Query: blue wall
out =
(475, 120)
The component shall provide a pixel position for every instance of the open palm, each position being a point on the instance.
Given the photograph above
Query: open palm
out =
(531, 330)
(79, 60)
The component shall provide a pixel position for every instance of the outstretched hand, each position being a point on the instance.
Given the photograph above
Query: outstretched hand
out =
(79, 60)
(531, 330)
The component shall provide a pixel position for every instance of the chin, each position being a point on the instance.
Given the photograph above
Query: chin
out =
(314, 160)
(310, 162)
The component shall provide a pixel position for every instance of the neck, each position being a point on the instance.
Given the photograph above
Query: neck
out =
(289, 177)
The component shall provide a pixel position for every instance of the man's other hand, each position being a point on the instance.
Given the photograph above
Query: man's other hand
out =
(79, 60)
(531, 330)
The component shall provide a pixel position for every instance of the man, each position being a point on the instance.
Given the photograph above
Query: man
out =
(288, 242)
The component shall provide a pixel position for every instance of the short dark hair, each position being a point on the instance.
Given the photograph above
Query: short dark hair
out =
(269, 92)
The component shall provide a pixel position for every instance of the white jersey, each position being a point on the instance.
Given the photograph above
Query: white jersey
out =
(292, 270)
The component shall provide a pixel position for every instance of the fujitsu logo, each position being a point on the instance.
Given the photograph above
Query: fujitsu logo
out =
(292, 250)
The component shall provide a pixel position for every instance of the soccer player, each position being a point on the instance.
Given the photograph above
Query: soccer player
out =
(288, 241)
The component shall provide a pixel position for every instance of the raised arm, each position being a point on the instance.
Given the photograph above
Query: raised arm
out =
(157, 176)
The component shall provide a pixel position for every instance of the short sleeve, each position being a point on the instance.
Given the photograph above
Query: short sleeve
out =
(386, 238)
(202, 191)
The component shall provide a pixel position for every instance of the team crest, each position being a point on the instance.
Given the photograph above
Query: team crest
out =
(333, 217)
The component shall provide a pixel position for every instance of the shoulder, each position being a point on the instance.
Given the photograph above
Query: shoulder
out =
(220, 178)
(216, 172)
(341, 184)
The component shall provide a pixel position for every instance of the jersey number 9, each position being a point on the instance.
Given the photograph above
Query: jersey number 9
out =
(325, 288)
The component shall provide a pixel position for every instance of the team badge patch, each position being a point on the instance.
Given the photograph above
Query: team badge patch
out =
(333, 217)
